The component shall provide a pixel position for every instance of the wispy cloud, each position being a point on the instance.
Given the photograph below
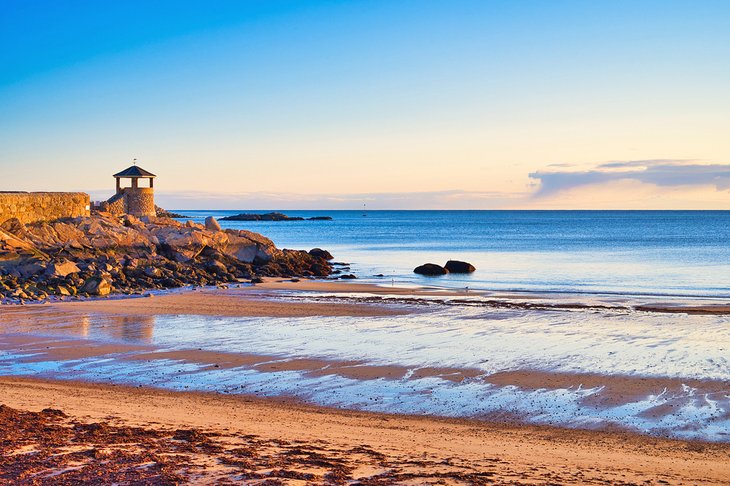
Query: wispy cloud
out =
(658, 172)
(450, 199)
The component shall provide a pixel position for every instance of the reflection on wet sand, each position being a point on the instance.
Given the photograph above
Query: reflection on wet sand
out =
(580, 367)
(42, 320)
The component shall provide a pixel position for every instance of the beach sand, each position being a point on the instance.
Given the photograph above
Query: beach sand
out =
(119, 433)
(139, 433)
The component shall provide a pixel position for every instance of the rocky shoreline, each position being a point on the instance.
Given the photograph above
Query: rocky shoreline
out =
(104, 254)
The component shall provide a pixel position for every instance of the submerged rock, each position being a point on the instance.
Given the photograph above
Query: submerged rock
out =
(430, 269)
(456, 266)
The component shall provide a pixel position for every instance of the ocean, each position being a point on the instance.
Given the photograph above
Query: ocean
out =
(684, 253)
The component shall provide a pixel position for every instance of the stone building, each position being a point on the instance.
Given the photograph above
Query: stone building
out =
(135, 200)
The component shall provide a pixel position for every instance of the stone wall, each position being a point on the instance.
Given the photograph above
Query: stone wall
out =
(140, 201)
(115, 205)
(30, 207)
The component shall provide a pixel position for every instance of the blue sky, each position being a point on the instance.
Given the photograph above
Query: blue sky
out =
(267, 103)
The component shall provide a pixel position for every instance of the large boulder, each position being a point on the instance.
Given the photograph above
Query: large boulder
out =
(430, 269)
(249, 247)
(456, 266)
(61, 269)
(96, 286)
(185, 244)
(211, 224)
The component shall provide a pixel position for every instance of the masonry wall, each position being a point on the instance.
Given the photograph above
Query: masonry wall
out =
(30, 207)
(140, 201)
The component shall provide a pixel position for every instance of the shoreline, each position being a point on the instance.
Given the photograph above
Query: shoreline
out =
(370, 445)
(381, 293)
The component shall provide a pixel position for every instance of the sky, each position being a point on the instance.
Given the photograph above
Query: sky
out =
(418, 104)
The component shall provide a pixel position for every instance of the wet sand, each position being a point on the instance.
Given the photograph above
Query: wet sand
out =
(236, 302)
(143, 434)
(362, 300)
(137, 434)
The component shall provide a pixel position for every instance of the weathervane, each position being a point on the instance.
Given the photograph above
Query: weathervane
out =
(135, 161)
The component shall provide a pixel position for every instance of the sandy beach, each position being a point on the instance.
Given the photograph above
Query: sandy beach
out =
(144, 433)
(209, 437)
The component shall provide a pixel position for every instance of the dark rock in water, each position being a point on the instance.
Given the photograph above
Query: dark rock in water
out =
(348, 277)
(320, 253)
(430, 269)
(379, 275)
(272, 217)
(262, 217)
(455, 266)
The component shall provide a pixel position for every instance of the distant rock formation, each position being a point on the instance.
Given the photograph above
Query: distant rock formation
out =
(272, 217)
(104, 253)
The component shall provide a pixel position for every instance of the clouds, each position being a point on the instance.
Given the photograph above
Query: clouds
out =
(450, 199)
(658, 172)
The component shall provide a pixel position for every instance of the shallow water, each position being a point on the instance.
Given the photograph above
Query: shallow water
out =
(682, 352)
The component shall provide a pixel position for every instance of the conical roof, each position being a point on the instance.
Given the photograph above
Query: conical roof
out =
(134, 172)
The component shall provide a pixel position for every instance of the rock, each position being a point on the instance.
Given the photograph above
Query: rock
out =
(65, 291)
(249, 247)
(216, 267)
(456, 266)
(430, 269)
(91, 252)
(28, 269)
(152, 272)
(192, 224)
(348, 277)
(61, 269)
(257, 280)
(163, 213)
(96, 286)
(211, 224)
(263, 217)
(320, 218)
(320, 253)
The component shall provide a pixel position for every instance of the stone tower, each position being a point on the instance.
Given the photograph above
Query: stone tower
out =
(135, 200)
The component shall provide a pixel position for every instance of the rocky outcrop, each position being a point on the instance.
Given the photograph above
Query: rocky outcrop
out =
(456, 266)
(430, 269)
(272, 217)
(164, 213)
(104, 254)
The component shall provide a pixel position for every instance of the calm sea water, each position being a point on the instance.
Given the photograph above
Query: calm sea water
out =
(626, 252)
